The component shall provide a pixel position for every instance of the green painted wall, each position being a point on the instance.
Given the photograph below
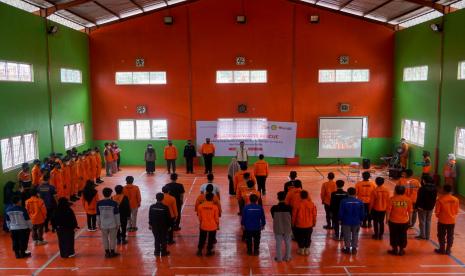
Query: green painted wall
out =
(306, 149)
(418, 100)
(24, 107)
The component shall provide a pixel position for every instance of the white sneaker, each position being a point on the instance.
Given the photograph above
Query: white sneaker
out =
(72, 255)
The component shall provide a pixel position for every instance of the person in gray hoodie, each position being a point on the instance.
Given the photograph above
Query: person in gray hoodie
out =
(20, 226)
(282, 227)
(108, 220)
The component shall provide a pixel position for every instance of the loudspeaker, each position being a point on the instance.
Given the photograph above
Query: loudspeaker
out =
(241, 19)
(168, 20)
(366, 164)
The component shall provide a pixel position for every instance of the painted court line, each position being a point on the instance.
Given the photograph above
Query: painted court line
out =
(442, 266)
(188, 195)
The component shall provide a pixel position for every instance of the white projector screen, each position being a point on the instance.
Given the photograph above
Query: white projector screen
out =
(340, 137)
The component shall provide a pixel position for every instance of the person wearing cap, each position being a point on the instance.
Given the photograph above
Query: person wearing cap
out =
(351, 214)
(378, 204)
(150, 157)
(189, 155)
(160, 223)
(170, 154)
(207, 150)
(398, 215)
(447, 208)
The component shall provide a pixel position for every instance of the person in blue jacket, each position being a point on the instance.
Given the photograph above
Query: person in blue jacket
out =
(253, 222)
(351, 215)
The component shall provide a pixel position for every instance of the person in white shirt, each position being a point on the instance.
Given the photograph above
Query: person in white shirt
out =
(242, 155)
(216, 190)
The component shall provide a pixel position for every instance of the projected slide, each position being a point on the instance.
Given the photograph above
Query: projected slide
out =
(340, 137)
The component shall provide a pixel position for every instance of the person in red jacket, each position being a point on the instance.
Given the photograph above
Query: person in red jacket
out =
(304, 219)
(209, 223)
(447, 208)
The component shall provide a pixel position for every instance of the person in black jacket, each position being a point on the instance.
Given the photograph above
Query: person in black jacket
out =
(336, 198)
(160, 223)
(124, 212)
(8, 194)
(290, 183)
(65, 223)
(189, 154)
(426, 200)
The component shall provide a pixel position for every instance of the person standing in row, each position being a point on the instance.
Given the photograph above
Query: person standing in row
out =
(426, 200)
(253, 222)
(109, 160)
(124, 213)
(176, 190)
(170, 154)
(208, 152)
(216, 189)
(336, 198)
(64, 220)
(447, 208)
(327, 188)
(189, 155)
(117, 155)
(242, 154)
(48, 194)
(160, 224)
(170, 202)
(398, 215)
(36, 174)
(378, 204)
(108, 220)
(37, 212)
(282, 227)
(20, 226)
(351, 214)
(89, 202)
(304, 220)
(209, 221)
(261, 173)
(150, 157)
(133, 193)
(233, 169)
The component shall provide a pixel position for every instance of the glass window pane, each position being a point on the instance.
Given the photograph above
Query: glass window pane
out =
(3, 74)
(157, 77)
(224, 77)
(242, 76)
(80, 133)
(143, 129)
(343, 75)
(25, 72)
(18, 150)
(30, 147)
(326, 76)
(141, 78)
(258, 76)
(365, 127)
(67, 138)
(126, 129)
(361, 75)
(12, 71)
(7, 158)
(123, 77)
(159, 129)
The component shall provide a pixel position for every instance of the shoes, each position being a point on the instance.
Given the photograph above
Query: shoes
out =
(301, 251)
(346, 250)
(401, 252)
(199, 253)
(166, 253)
(210, 253)
(440, 251)
(354, 251)
(27, 254)
(419, 238)
(276, 260)
(171, 242)
(72, 255)
(393, 252)
(307, 251)
(374, 237)
(107, 254)
(124, 242)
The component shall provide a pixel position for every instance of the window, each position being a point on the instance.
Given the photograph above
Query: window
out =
(17, 150)
(13, 71)
(419, 73)
(461, 74)
(460, 142)
(343, 75)
(242, 128)
(241, 76)
(74, 135)
(143, 129)
(365, 127)
(414, 132)
(138, 78)
(71, 76)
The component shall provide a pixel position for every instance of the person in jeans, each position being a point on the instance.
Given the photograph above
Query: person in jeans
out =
(20, 226)
(133, 193)
(108, 220)
(336, 198)
(303, 220)
(160, 223)
(209, 220)
(261, 173)
(398, 216)
(351, 214)
(282, 227)
(426, 200)
(327, 188)
(124, 213)
(150, 157)
(253, 222)
(37, 212)
(378, 205)
(64, 220)
(447, 208)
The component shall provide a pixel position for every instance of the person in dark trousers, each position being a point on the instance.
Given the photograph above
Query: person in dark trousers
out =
(64, 220)
(20, 226)
(176, 190)
(8, 193)
(447, 208)
(48, 194)
(189, 155)
(426, 200)
(336, 198)
(398, 216)
(261, 171)
(150, 157)
(290, 184)
(378, 204)
(327, 188)
(253, 222)
(282, 227)
(124, 213)
(207, 150)
(351, 214)
(160, 223)
(108, 220)
(209, 220)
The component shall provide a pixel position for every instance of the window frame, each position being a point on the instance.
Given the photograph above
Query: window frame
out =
(461, 70)
(24, 153)
(457, 154)
(66, 130)
(331, 75)
(234, 76)
(17, 63)
(414, 73)
(412, 133)
(134, 124)
(70, 70)
(152, 79)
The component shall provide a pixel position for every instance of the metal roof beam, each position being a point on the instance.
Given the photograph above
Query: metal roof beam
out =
(106, 9)
(377, 7)
(137, 5)
(403, 14)
(58, 7)
(346, 4)
(430, 4)
(83, 17)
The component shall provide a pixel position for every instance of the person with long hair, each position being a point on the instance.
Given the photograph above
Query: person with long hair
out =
(64, 220)
(89, 202)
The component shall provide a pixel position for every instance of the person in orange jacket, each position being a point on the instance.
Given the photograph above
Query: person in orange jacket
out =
(133, 193)
(446, 210)
(293, 195)
(66, 175)
(209, 221)
(56, 177)
(250, 190)
(74, 180)
(378, 204)
(170, 202)
(260, 170)
(37, 211)
(109, 160)
(36, 174)
(303, 220)
(207, 150)
(363, 192)
(241, 186)
(170, 154)
(412, 185)
(398, 215)
(450, 171)
(24, 176)
(89, 202)
(92, 165)
(326, 189)
(201, 199)
(98, 160)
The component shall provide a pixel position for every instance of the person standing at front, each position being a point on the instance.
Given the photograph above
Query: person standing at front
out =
(209, 220)
(242, 154)
(399, 211)
(260, 169)
(189, 155)
(150, 156)
(171, 153)
(208, 152)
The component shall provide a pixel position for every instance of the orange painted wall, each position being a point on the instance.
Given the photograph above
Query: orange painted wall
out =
(277, 37)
